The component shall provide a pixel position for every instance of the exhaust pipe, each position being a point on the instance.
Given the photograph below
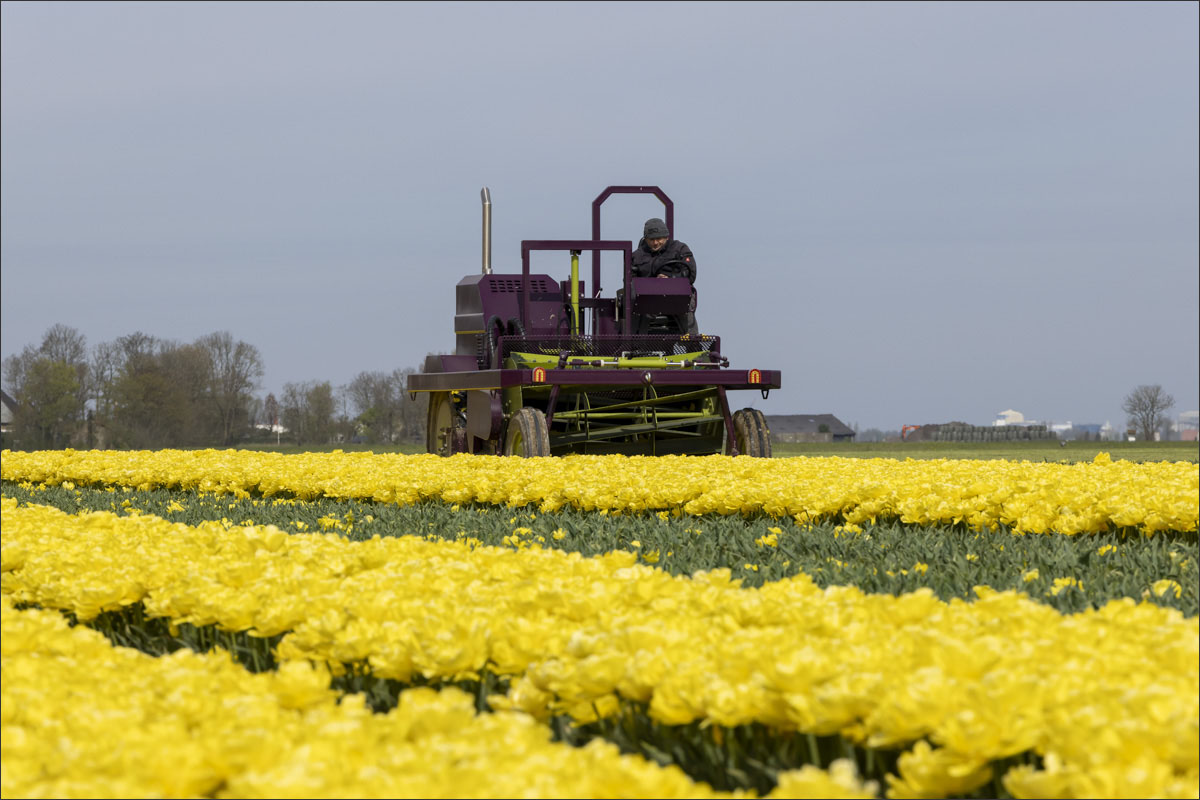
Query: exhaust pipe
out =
(486, 197)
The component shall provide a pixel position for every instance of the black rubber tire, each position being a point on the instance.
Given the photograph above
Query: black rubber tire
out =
(751, 434)
(745, 433)
(764, 433)
(527, 435)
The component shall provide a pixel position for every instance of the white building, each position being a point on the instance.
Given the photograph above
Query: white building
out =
(1187, 425)
(1063, 429)
(1009, 417)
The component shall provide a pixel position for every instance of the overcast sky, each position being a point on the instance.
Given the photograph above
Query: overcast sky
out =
(919, 212)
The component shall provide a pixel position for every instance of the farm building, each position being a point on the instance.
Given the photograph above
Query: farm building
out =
(8, 407)
(1009, 417)
(1187, 425)
(809, 428)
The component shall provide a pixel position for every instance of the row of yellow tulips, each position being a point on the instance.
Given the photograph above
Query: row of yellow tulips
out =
(85, 719)
(1107, 697)
(1025, 496)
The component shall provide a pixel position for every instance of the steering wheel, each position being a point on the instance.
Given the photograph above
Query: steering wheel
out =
(671, 263)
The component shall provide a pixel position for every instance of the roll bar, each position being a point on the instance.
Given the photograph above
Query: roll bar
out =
(610, 191)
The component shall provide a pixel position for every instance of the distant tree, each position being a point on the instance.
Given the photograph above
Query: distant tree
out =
(65, 344)
(271, 409)
(292, 410)
(307, 412)
(320, 412)
(343, 425)
(254, 411)
(377, 403)
(49, 384)
(152, 405)
(234, 371)
(871, 435)
(384, 412)
(189, 367)
(412, 410)
(50, 398)
(1147, 408)
(105, 366)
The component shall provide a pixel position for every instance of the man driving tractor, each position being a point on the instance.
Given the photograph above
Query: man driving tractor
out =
(659, 256)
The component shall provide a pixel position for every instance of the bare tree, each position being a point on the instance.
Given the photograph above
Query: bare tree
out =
(235, 370)
(412, 409)
(64, 343)
(376, 401)
(1147, 408)
(307, 411)
(271, 410)
(105, 367)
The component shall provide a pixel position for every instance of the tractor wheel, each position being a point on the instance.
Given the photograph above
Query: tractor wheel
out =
(751, 434)
(764, 433)
(527, 435)
(445, 430)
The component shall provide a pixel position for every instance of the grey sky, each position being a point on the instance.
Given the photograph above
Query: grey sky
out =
(918, 212)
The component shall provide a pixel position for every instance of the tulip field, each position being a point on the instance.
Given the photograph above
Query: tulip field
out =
(246, 624)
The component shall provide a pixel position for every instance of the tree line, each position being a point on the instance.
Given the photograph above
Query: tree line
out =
(143, 392)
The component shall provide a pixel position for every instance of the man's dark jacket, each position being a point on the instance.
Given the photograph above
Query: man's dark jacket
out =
(647, 264)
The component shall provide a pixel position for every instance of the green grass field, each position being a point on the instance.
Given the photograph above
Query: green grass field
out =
(1014, 451)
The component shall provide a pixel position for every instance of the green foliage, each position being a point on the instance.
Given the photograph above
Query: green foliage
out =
(50, 401)
(51, 395)
(49, 384)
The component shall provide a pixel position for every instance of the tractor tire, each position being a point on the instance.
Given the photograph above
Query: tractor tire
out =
(764, 432)
(750, 433)
(745, 433)
(527, 435)
(445, 429)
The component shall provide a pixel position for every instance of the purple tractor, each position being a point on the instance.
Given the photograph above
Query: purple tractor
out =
(545, 368)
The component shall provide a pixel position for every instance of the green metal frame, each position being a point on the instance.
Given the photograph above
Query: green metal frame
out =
(648, 424)
(526, 360)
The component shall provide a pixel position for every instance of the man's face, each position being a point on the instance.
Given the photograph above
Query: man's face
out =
(657, 244)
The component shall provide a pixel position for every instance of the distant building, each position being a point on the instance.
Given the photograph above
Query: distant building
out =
(809, 428)
(1009, 417)
(1187, 425)
(1088, 431)
(8, 407)
(1062, 429)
